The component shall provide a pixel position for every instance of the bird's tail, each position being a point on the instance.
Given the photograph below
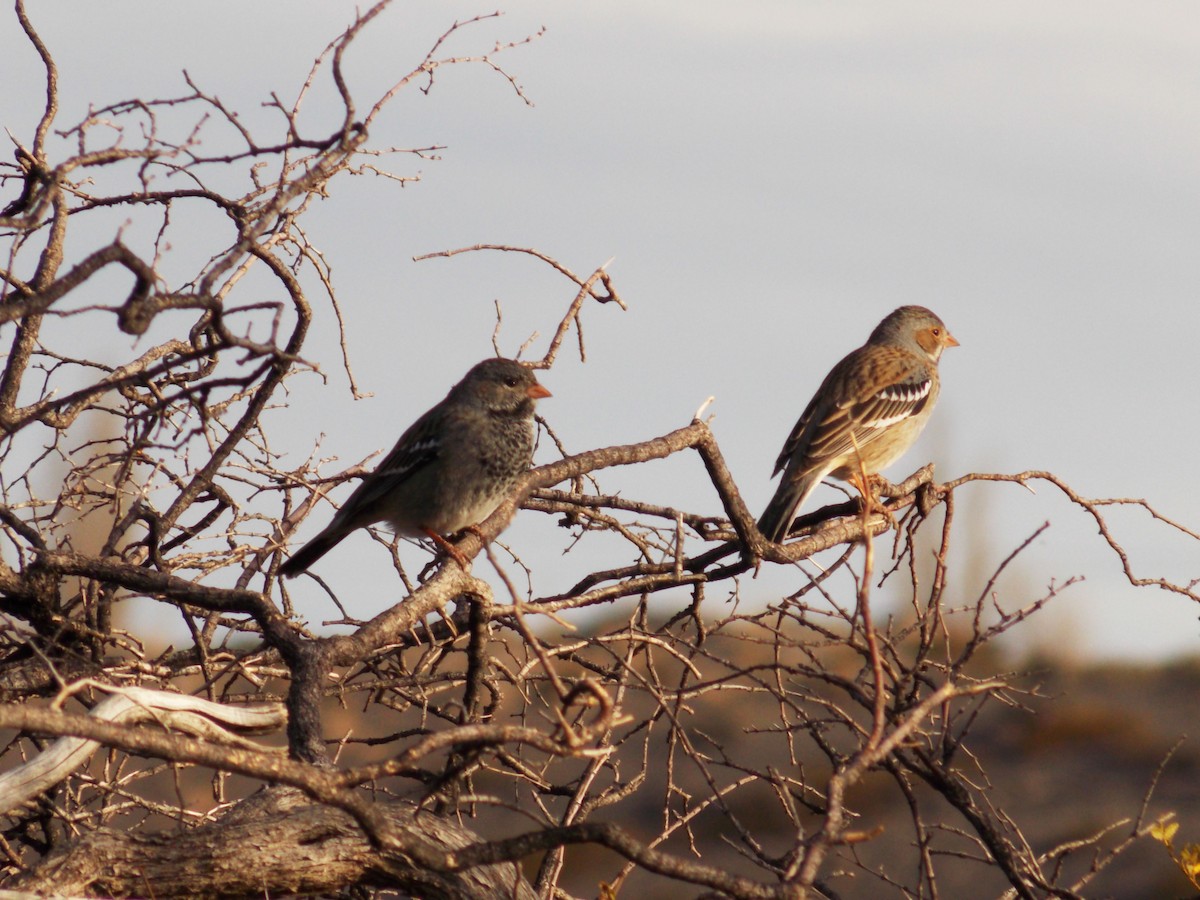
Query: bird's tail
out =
(311, 552)
(777, 518)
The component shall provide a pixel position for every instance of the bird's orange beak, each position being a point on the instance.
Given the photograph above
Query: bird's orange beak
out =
(537, 392)
(951, 340)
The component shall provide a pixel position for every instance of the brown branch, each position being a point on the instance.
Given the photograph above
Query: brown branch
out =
(1093, 507)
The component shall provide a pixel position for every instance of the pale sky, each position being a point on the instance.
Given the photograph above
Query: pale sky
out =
(771, 178)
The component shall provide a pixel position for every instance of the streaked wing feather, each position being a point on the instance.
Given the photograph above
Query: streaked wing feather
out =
(863, 422)
(895, 385)
(415, 450)
(797, 437)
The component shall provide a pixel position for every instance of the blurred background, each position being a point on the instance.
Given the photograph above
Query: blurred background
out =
(769, 180)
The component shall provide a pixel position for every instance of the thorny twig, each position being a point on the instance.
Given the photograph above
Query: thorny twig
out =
(697, 688)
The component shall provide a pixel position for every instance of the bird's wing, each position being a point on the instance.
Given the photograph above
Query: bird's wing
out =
(868, 391)
(416, 449)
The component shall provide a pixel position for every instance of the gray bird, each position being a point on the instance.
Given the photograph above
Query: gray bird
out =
(451, 469)
(871, 406)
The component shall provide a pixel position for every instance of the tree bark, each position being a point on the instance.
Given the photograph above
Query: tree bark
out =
(273, 844)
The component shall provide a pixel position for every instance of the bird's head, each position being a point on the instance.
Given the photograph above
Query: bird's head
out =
(917, 328)
(503, 386)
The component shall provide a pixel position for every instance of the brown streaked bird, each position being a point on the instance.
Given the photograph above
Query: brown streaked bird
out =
(451, 469)
(871, 406)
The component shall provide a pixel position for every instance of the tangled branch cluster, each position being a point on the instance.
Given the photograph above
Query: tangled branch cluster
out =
(472, 726)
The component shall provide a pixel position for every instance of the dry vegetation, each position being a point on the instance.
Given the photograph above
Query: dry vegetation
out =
(464, 742)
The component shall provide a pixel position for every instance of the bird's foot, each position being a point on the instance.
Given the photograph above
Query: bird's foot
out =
(872, 491)
(449, 549)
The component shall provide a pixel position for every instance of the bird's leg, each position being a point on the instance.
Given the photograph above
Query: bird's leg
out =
(867, 485)
(871, 487)
(448, 548)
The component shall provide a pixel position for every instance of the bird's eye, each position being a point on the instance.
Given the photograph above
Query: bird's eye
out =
(936, 332)
(510, 381)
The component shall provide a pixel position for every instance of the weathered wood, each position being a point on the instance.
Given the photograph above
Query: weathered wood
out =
(276, 843)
